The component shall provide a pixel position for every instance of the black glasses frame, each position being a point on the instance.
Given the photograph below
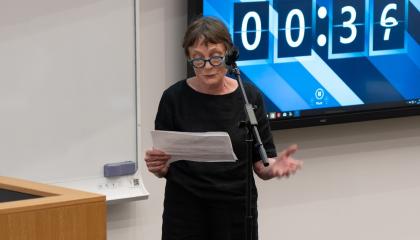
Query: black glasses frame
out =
(221, 58)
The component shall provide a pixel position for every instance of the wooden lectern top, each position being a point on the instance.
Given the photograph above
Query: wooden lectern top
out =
(58, 213)
(50, 196)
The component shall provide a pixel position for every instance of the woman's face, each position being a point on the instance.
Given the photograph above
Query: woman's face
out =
(209, 74)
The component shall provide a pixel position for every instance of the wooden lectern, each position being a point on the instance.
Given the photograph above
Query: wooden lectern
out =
(34, 211)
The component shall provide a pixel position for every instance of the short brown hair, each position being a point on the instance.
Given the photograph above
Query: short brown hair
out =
(211, 29)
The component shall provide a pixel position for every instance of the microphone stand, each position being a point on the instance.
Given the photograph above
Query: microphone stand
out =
(253, 136)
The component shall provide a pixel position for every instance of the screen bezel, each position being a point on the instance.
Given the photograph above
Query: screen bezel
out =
(339, 115)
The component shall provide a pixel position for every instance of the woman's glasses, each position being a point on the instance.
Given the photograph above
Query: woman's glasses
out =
(215, 61)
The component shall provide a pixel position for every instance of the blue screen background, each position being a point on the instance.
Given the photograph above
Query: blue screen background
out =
(367, 72)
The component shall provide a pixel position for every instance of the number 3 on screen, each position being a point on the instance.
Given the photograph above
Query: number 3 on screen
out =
(347, 28)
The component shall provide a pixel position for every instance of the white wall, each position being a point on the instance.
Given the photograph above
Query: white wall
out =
(360, 180)
(162, 62)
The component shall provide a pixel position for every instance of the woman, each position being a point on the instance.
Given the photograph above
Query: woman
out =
(207, 200)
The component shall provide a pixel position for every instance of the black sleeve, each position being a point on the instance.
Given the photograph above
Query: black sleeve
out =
(263, 128)
(164, 115)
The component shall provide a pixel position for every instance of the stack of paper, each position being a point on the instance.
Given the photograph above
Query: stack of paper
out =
(193, 146)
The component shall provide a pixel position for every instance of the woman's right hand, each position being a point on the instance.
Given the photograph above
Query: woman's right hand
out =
(157, 162)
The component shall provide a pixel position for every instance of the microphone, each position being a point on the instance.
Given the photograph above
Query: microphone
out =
(231, 56)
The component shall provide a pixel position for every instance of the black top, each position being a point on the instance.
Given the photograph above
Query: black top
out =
(181, 108)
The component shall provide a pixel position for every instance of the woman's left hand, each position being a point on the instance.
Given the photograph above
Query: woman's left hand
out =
(285, 164)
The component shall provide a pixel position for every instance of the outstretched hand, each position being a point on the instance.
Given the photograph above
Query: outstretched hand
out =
(285, 164)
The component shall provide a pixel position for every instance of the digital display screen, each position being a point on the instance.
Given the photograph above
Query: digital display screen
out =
(319, 57)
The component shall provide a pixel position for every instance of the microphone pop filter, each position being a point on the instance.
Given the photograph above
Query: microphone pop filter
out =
(231, 56)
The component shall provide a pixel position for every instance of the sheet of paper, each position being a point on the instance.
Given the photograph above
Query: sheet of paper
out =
(193, 146)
